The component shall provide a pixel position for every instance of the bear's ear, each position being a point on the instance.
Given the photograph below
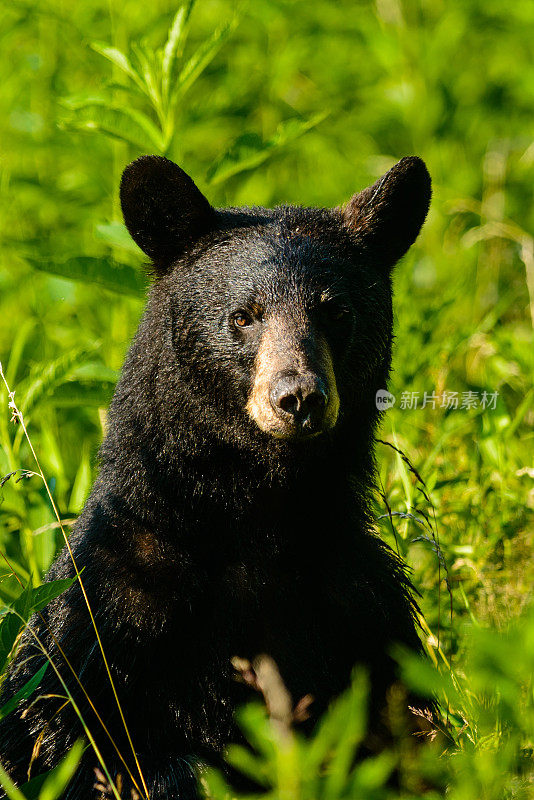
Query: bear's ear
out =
(163, 210)
(385, 219)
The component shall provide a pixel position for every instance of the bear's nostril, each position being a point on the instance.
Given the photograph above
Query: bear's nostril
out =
(313, 407)
(290, 403)
(316, 401)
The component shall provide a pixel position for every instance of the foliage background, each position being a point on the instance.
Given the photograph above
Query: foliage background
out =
(450, 81)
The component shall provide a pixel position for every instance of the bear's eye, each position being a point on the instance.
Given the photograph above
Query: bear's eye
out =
(333, 312)
(241, 319)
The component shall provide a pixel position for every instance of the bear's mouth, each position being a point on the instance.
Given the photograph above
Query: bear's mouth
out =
(296, 436)
(295, 429)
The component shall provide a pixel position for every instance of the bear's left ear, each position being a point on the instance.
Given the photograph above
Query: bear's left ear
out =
(163, 210)
(385, 219)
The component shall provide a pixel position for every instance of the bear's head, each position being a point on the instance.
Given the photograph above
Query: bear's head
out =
(280, 319)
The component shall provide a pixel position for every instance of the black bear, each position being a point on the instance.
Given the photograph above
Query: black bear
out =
(231, 512)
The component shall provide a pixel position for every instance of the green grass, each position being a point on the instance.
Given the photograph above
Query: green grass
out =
(306, 102)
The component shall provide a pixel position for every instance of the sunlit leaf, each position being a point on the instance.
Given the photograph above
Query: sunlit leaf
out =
(95, 371)
(248, 764)
(13, 622)
(124, 123)
(17, 348)
(43, 382)
(51, 785)
(82, 483)
(10, 627)
(371, 774)
(103, 272)
(58, 779)
(73, 394)
(22, 694)
(30, 600)
(120, 60)
(11, 790)
(149, 69)
(42, 595)
(116, 235)
(215, 786)
(255, 723)
(351, 731)
(175, 41)
(250, 150)
(200, 60)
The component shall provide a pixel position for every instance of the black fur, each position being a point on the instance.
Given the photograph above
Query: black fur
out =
(205, 537)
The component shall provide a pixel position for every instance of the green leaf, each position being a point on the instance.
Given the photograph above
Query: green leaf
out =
(58, 779)
(50, 785)
(23, 605)
(33, 599)
(81, 100)
(49, 377)
(352, 718)
(28, 602)
(95, 371)
(246, 152)
(108, 113)
(202, 57)
(215, 786)
(175, 42)
(10, 628)
(150, 69)
(33, 787)
(13, 623)
(291, 129)
(17, 349)
(331, 726)
(76, 394)
(145, 124)
(371, 774)
(82, 482)
(103, 272)
(250, 150)
(249, 764)
(8, 594)
(22, 694)
(116, 235)
(421, 675)
(120, 60)
(255, 724)
(124, 123)
(11, 790)
(43, 594)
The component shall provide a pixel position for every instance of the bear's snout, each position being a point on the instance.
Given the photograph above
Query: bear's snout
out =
(294, 393)
(299, 400)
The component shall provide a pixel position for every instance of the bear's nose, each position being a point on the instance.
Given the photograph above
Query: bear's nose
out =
(299, 399)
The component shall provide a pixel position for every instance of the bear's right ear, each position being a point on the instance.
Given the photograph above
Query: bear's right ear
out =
(386, 218)
(163, 210)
